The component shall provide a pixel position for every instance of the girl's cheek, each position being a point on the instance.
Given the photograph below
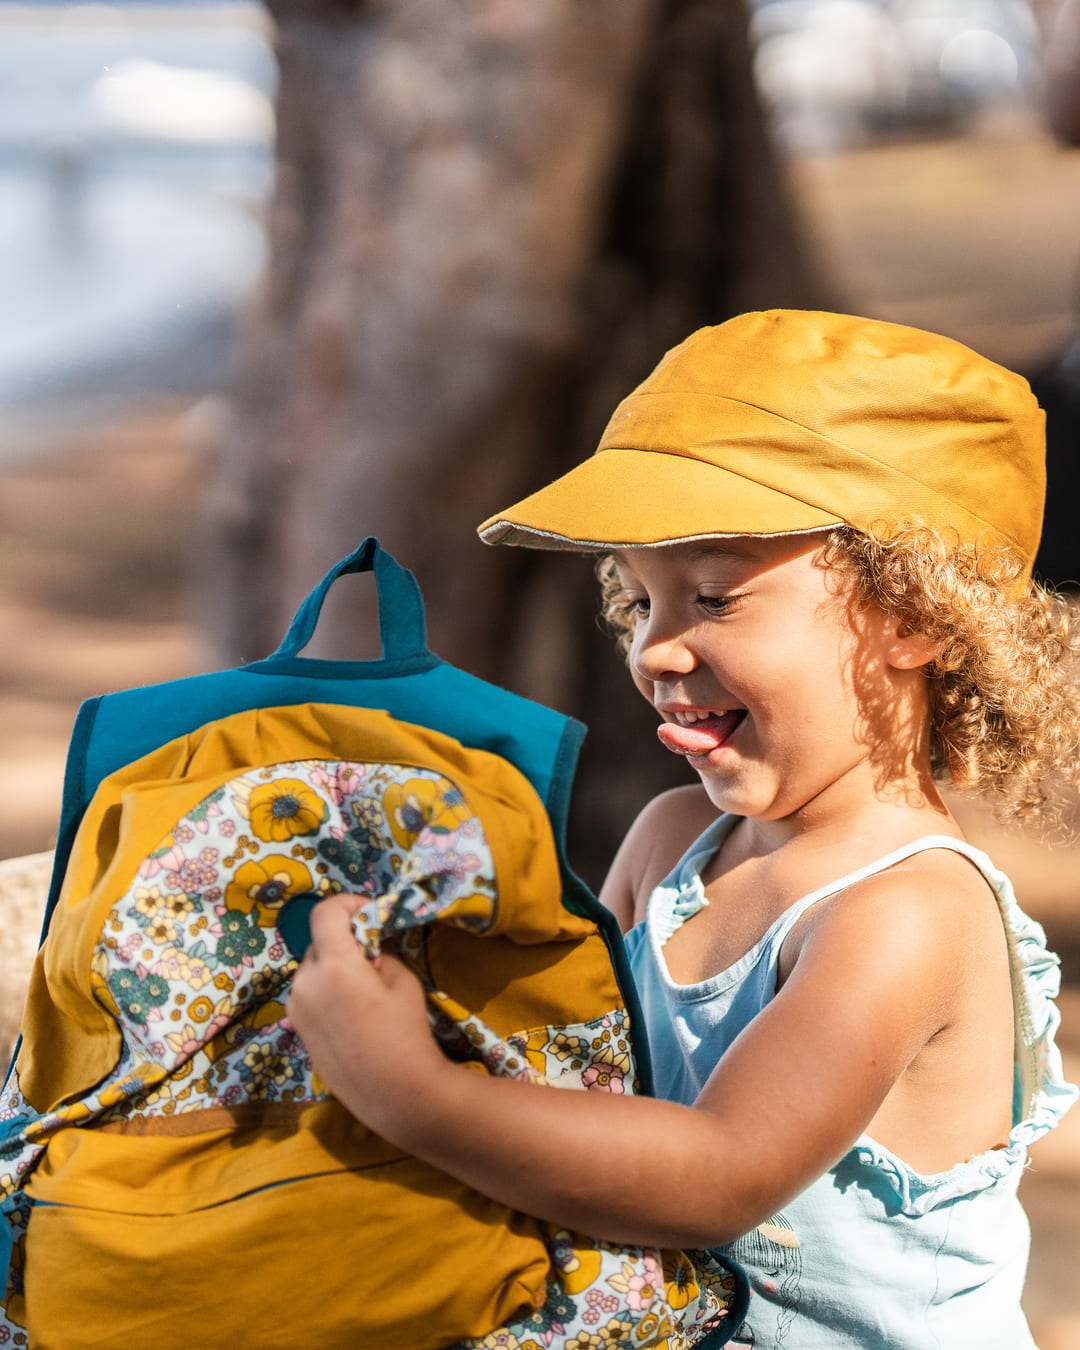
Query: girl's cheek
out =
(642, 685)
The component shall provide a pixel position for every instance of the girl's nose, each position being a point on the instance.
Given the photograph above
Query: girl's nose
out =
(656, 653)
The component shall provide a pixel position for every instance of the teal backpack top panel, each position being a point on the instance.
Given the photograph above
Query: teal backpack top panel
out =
(410, 682)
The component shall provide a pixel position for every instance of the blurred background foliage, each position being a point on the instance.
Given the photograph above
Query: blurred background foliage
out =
(278, 276)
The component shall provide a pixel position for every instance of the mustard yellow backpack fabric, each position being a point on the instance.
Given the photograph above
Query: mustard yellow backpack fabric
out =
(174, 1172)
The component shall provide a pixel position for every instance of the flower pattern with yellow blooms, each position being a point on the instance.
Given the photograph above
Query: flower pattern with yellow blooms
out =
(193, 966)
(261, 888)
(627, 1302)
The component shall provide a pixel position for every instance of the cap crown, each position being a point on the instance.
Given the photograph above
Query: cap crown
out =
(865, 420)
(794, 420)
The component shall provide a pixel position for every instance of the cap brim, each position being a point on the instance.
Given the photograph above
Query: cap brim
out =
(632, 498)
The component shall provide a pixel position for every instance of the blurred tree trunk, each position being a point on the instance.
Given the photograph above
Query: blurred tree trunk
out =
(491, 220)
(1063, 74)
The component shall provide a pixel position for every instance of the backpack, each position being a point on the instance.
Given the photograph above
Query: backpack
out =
(172, 1170)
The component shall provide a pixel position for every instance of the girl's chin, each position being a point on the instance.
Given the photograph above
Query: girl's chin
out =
(727, 796)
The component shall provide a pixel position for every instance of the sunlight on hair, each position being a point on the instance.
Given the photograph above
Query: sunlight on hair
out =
(1004, 686)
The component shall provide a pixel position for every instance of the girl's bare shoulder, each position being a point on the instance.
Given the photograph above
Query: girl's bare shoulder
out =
(655, 842)
(936, 906)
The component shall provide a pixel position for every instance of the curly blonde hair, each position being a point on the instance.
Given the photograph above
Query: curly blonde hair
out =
(1004, 714)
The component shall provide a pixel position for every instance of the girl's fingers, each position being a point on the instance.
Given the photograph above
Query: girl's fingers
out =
(331, 924)
(332, 935)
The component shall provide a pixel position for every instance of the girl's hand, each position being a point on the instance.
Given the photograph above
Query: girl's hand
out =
(364, 1023)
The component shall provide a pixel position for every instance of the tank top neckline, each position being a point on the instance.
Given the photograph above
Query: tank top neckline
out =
(682, 894)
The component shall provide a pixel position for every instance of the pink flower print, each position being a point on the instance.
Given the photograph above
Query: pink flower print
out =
(163, 860)
(186, 1046)
(326, 783)
(603, 1078)
(640, 1292)
(227, 828)
(351, 776)
(276, 951)
(638, 1287)
(439, 840)
(216, 1024)
(195, 874)
(233, 1094)
(202, 822)
(209, 856)
(183, 834)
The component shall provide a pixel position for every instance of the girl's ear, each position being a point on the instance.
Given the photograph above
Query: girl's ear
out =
(910, 651)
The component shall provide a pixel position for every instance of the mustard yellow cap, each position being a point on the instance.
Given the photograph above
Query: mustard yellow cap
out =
(791, 420)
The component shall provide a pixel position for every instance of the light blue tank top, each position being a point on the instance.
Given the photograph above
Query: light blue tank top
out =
(872, 1255)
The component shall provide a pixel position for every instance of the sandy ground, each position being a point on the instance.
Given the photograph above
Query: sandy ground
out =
(97, 525)
(92, 541)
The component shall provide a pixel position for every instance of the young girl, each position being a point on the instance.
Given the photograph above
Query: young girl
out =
(820, 533)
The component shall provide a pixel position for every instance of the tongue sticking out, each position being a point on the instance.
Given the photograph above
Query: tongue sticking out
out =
(702, 737)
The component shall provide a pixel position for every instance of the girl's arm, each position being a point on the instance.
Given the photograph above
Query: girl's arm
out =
(870, 987)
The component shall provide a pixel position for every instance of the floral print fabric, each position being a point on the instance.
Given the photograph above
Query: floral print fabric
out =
(193, 961)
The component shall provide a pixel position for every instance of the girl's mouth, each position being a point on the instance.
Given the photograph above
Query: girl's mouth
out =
(703, 735)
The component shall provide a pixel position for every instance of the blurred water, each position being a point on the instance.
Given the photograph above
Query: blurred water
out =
(136, 159)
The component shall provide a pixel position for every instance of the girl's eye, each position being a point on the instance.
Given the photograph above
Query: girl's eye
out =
(638, 605)
(717, 604)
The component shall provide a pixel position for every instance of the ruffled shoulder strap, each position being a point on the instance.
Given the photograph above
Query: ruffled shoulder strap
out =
(682, 893)
(1041, 1096)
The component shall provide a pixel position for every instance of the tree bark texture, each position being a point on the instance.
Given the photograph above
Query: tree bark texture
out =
(491, 220)
(1063, 74)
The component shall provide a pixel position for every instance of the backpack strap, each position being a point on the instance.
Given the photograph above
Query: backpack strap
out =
(401, 609)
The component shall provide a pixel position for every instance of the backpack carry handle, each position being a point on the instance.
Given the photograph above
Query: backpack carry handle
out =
(401, 609)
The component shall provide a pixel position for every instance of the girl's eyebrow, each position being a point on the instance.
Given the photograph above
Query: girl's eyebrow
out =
(711, 551)
(702, 552)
